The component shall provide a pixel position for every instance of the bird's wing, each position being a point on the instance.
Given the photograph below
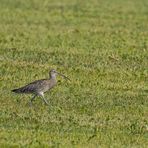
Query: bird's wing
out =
(36, 84)
(32, 87)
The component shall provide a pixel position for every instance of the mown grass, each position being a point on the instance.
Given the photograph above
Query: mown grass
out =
(102, 46)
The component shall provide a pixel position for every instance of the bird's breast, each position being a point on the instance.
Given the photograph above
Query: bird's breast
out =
(51, 84)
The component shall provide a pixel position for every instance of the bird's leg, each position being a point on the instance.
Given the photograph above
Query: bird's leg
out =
(45, 101)
(30, 102)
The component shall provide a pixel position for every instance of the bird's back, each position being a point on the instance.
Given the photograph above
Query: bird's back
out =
(37, 86)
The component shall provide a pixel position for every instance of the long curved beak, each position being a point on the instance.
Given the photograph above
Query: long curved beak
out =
(63, 76)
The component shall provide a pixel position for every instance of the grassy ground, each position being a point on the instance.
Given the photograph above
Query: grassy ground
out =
(102, 46)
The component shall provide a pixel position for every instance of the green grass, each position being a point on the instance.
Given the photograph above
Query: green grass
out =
(102, 46)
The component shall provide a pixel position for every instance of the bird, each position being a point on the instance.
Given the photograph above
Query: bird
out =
(39, 87)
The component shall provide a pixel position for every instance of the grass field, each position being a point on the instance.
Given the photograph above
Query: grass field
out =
(102, 45)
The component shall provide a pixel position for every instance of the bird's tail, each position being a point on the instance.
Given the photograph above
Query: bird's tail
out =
(17, 90)
(25, 89)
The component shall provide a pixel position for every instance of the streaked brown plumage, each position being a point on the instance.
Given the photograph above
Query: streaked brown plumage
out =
(38, 87)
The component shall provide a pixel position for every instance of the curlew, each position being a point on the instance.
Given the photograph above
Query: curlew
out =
(39, 87)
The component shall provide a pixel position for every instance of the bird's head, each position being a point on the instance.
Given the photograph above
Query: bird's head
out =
(53, 73)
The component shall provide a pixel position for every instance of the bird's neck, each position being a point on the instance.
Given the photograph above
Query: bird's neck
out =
(53, 77)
